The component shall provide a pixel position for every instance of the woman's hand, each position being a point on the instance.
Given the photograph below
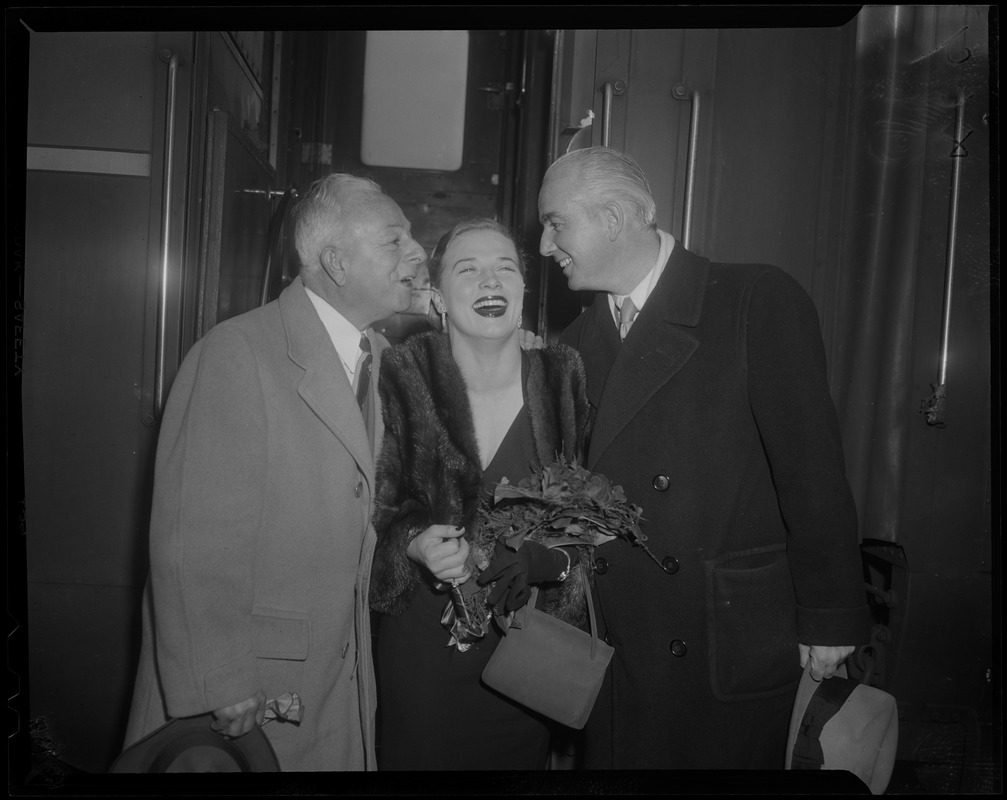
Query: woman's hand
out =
(530, 341)
(443, 550)
(515, 571)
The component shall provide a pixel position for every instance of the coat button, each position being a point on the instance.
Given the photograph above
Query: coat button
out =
(358, 489)
(661, 483)
(600, 566)
(670, 565)
(678, 648)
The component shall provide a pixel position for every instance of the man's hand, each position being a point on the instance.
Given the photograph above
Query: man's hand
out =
(239, 719)
(529, 340)
(824, 660)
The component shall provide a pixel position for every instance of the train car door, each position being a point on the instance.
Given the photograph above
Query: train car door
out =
(97, 225)
(139, 237)
(854, 155)
(439, 119)
(690, 105)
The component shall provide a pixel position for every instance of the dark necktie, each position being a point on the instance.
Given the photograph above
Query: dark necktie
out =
(364, 372)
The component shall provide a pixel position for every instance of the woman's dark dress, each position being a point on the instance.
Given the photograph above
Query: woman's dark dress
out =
(434, 713)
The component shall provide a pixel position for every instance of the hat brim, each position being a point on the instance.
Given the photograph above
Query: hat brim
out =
(189, 744)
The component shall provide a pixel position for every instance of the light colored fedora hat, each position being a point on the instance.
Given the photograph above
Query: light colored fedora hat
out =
(188, 744)
(839, 723)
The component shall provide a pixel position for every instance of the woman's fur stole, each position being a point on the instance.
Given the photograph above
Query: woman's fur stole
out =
(429, 472)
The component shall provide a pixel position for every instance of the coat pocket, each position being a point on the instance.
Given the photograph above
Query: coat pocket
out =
(752, 621)
(280, 634)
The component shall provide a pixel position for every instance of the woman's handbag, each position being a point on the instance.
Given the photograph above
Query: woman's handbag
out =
(549, 666)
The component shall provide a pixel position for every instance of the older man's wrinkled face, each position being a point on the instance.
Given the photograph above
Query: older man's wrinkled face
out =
(381, 259)
(574, 237)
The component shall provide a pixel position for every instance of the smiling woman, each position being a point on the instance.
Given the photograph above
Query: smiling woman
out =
(443, 450)
(478, 281)
(478, 276)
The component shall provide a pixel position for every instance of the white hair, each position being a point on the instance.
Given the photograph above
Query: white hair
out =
(320, 217)
(604, 174)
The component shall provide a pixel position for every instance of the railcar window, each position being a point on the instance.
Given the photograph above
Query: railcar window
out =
(414, 99)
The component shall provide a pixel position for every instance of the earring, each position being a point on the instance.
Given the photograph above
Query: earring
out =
(444, 321)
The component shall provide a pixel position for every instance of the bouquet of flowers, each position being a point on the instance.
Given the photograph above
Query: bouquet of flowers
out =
(560, 504)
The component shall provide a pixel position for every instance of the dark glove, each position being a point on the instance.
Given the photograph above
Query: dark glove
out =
(515, 571)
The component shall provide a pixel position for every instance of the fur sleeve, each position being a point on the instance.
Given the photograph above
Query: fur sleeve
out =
(557, 392)
(578, 408)
(561, 419)
(398, 517)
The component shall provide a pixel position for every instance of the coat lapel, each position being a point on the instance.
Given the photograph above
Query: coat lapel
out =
(599, 346)
(324, 386)
(660, 343)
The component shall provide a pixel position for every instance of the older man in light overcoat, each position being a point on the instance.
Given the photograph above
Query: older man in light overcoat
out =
(260, 536)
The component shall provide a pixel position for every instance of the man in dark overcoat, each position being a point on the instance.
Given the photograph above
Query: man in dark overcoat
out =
(261, 537)
(712, 410)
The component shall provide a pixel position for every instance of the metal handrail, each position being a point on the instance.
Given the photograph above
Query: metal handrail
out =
(681, 93)
(275, 229)
(935, 406)
(952, 239)
(162, 295)
(608, 90)
(606, 113)
(690, 173)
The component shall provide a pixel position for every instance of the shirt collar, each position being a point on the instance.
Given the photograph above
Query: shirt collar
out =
(643, 289)
(343, 333)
